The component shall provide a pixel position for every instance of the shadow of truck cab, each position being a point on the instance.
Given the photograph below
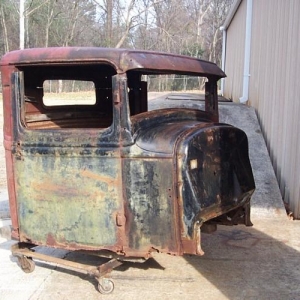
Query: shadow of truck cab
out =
(107, 174)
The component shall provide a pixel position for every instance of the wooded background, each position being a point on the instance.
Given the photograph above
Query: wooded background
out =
(179, 26)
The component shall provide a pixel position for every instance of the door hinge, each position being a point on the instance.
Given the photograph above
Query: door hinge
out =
(120, 219)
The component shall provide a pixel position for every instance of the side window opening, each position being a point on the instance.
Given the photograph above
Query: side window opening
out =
(177, 90)
(68, 97)
(138, 97)
(144, 88)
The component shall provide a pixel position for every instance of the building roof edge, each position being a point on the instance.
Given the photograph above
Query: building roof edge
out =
(231, 14)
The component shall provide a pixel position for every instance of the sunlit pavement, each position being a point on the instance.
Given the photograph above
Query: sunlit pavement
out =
(259, 262)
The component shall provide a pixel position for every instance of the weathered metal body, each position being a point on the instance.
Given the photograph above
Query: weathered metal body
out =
(113, 176)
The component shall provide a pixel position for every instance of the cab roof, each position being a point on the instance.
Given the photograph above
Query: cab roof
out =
(123, 60)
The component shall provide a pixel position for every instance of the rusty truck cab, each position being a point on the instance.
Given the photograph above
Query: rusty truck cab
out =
(106, 174)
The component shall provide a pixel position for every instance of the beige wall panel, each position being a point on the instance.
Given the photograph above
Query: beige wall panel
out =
(274, 92)
(235, 54)
(274, 88)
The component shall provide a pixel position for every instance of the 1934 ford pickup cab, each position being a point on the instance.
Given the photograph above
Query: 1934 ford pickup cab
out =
(108, 176)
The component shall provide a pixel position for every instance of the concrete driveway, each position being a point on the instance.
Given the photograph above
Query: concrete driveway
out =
(259, 262)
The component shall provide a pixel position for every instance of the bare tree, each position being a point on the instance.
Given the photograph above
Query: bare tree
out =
(129, 20)
(50, 15)
(3, 23)
(25, 10)
(9, 25)
(218, 12)
(179, 26)
(172, 25)
(22, 24)
(109, 22)
(142, 38)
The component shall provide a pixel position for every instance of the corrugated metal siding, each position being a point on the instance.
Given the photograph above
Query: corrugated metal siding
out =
(274, 89)
(235, 47)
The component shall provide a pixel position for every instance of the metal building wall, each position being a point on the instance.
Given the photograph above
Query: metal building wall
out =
(235, 47)
(274, 89)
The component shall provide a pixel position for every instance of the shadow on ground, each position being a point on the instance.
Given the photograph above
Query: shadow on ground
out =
(239, 263)
(244, 263)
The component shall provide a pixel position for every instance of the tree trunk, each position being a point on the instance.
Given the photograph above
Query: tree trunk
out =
(5, 37)
(212, 54)
(109, 22)
(50, 14)
(22, 24)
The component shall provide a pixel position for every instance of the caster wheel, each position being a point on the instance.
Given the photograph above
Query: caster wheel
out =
(27, 264)
(105, 285)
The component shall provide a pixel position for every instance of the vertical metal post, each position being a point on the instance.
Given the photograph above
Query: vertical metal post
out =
(211, 98)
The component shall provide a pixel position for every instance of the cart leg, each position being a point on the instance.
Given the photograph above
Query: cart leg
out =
(106, 285)
(26, 264)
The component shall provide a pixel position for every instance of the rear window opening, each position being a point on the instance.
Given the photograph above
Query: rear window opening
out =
(68, 92)
(67, 97)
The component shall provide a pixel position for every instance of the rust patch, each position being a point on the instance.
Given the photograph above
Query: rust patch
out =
(102, 178)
